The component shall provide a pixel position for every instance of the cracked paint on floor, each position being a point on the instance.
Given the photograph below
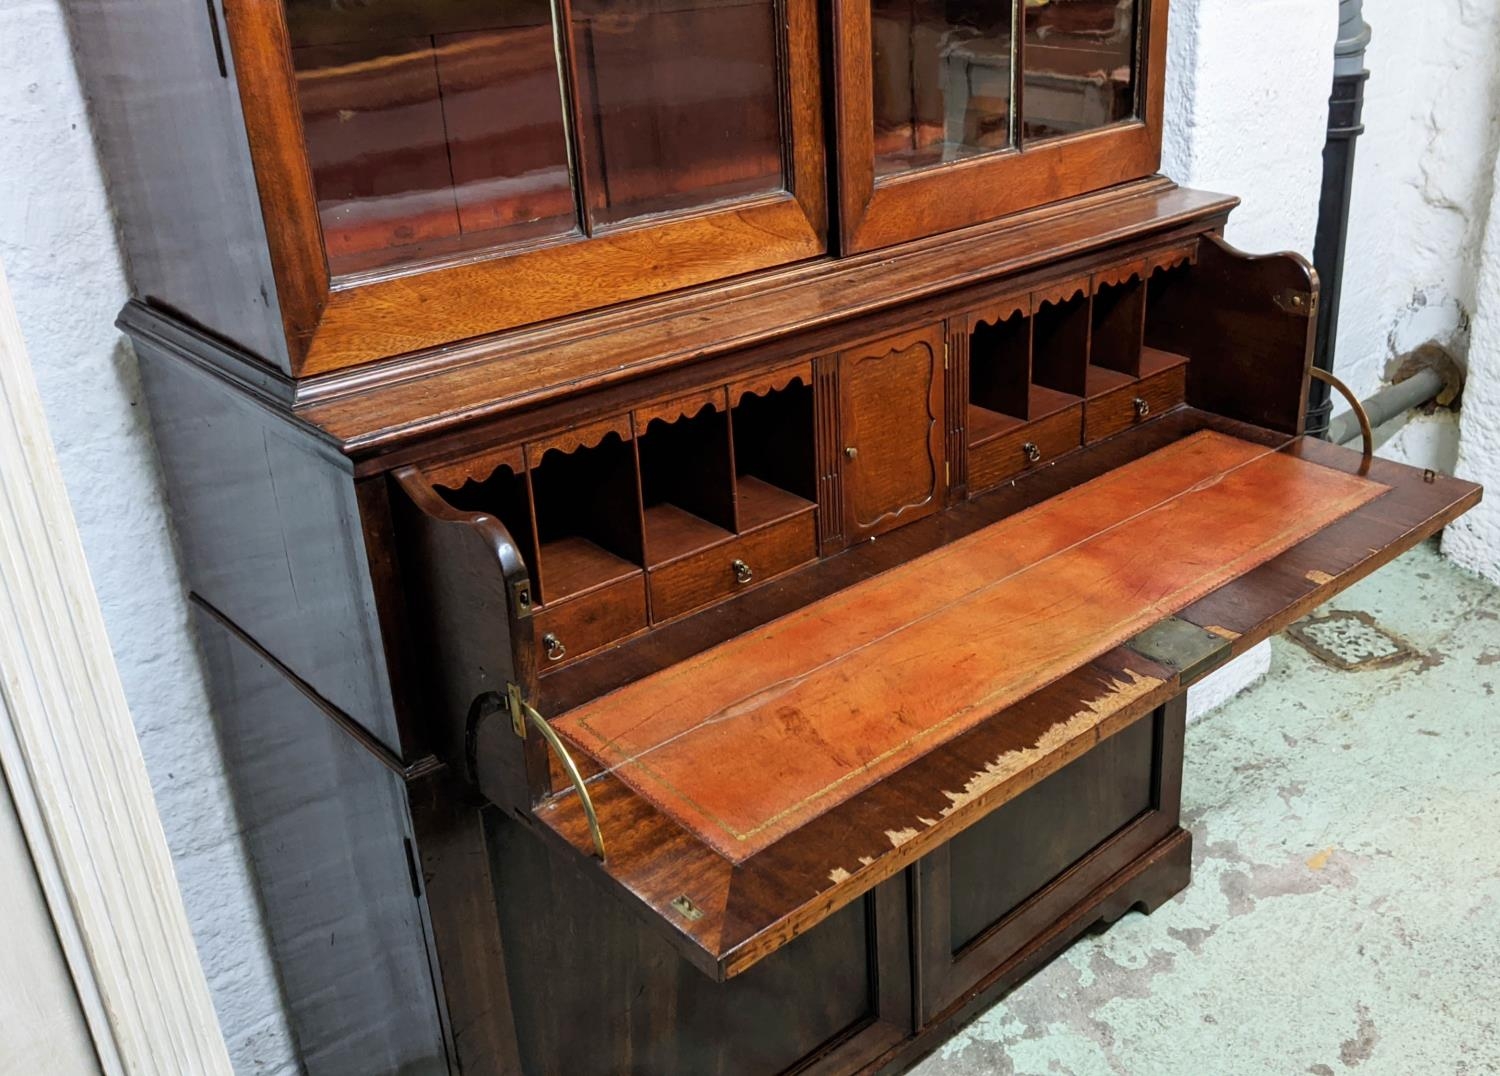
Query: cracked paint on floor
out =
(1344, 914)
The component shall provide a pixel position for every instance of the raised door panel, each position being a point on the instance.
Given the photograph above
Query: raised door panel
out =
(993, 889)
(891, 404)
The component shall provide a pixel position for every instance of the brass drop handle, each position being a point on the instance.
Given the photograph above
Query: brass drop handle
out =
(521, 713)
(851, 452)
(1142, 407)
(555, 649)
(742, 572)
(1033, 454)
(1366, 434)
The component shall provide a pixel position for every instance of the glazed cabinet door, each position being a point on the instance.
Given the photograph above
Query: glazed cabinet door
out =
(436, 169)
(890, 405)
(951, 114)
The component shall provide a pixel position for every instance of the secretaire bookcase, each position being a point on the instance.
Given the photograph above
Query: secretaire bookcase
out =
(701, 514)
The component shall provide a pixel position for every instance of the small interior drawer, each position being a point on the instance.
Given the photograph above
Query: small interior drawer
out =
(721, 570)
(1025, 447)
(580, 625)
(1154, 394)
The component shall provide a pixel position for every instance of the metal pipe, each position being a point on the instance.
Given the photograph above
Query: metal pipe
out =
(1345, 109)
(1391, 401)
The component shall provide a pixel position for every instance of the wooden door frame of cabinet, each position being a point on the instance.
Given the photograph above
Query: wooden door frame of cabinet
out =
(984, 187)
(69, 753)
(333, 324)
(934, 337)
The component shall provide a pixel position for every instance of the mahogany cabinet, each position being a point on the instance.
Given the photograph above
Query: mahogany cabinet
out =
(702, 514)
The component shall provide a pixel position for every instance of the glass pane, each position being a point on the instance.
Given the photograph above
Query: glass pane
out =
(942, 80)
(679, 103)
(1080, 65)
(433, 127)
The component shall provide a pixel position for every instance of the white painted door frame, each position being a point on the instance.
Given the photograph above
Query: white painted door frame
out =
(69, 752)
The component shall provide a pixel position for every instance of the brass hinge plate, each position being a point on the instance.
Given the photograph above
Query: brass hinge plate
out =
(521, 598)
(517, 707)
(1300, 303)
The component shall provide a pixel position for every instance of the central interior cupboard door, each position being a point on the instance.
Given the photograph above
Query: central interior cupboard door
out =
(890, 402)
(958, 112)
(432, 170)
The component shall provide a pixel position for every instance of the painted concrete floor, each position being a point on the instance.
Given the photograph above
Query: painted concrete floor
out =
(1344, 914)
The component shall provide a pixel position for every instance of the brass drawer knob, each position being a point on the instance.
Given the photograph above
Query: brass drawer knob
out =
(1033, 454)
(742, 572)
(851, 452)
(1142, 407)
(554, 646)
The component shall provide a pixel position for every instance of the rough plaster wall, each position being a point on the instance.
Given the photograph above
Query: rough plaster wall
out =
(58, 246)
(1422, 184)
(1422, 204)
(1247, 86)
(1474, 541)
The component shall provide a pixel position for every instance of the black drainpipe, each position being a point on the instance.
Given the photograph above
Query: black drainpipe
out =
(1345, 108)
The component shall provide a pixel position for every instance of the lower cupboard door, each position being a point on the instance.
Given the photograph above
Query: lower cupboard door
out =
(987, 893)
(596, 989)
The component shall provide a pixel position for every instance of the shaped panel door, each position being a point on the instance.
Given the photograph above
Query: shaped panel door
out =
(890, 402)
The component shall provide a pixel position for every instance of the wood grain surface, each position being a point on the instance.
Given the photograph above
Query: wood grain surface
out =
(751, 739)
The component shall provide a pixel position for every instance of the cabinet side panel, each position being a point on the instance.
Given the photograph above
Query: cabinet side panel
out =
(326, 827)
(269, 530)
(172, 139)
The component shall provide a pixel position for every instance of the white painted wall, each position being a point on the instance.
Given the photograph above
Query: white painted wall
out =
(1247, 83)
(1422, 208)
(1474, 541)
(1247, 86)
(58, 244)
(1422, 182)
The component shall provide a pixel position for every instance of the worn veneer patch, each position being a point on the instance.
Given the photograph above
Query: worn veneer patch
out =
(752, 738)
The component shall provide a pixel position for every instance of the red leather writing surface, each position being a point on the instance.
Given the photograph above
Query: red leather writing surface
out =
(750, 739)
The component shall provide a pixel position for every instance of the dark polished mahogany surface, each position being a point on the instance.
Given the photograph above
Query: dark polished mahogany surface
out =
(326, 827)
